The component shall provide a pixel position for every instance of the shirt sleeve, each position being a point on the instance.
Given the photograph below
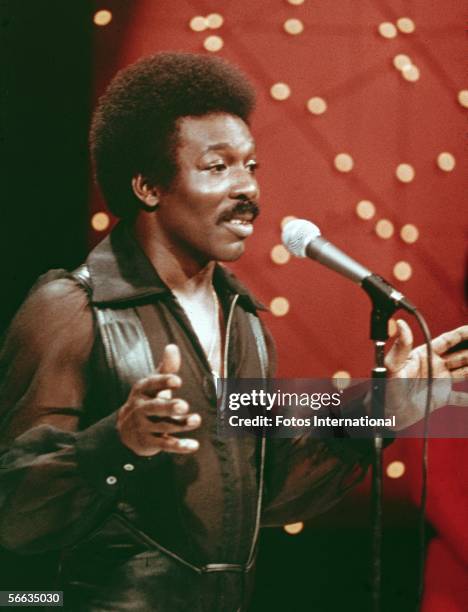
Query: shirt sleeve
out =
(306, 476)
(56, 482)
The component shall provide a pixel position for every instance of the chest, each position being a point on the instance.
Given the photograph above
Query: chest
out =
(206, 322)
(131, 341)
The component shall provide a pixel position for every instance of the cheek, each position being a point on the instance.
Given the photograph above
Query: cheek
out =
(205, 188)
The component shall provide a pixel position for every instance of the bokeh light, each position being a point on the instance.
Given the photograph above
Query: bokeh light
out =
(365, 209)
(294, 528)
(279, 306)
(213, 43)
(409, 233)
(395, 469)
(100, 221)
(405, 173)
(280, 91)
(198, 23)
(344, 162)
(316, 105)
(102, 17)
(387, 30)
(384, 228)
(402, 271)
(279, 254)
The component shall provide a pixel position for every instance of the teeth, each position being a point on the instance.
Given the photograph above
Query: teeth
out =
(239, 222)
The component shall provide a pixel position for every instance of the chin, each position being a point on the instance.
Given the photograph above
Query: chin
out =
(231, 252)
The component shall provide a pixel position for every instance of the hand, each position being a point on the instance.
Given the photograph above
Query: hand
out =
(403, 361)
(408, 403)
(150, 415)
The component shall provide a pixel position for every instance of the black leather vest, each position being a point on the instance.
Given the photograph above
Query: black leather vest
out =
(151, 575)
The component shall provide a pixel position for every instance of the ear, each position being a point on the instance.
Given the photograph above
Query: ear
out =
(148, 194)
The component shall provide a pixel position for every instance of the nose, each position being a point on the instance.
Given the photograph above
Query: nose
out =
(244, 186)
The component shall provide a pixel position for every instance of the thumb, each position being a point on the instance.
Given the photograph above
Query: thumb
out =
(170, 361)
(402, 347)
(169, 364)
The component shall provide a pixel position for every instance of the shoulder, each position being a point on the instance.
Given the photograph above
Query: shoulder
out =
(55, 317)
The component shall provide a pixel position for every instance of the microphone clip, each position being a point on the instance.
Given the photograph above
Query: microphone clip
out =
(386, 300)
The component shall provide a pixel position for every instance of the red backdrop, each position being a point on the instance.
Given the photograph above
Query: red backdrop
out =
(373, 114)
(381, 120)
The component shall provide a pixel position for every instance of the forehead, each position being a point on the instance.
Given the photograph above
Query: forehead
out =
(213, 131)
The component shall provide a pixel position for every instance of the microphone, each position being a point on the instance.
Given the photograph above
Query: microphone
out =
(303, 239)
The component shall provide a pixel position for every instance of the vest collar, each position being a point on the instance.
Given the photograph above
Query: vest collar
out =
(121, 272)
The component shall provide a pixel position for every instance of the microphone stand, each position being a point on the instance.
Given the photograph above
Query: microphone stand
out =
(382, 310)
(379, 320)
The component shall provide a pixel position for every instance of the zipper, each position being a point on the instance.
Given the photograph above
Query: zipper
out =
(179, 313)
(228, 334)
(222, 395)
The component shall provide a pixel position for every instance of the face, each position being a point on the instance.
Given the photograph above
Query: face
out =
(208, 212)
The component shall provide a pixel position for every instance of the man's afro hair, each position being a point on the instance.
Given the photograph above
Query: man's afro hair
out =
(134, 128)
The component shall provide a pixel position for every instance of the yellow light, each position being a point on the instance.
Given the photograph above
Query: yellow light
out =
(401, 61)
(214, 20)
(102, 18)
(387, 30)
(344, 162)
(279, 254)
(446, 161)
(286, 220)
(198, 23)
(384, 228)
(410, 72)
(296, 2)
(365, 209)
(405, 173)
(213, 43)
(341, 379)
(409, 233)
(280, 91)
(406, 25)
(100, 221)
(463, 97)
(279, 306)
(293, 26)
(316, 105)
(294, 528)
(395, 469)
(402, 271)
(392, 327)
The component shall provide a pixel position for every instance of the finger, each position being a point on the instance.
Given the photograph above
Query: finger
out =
(165, 408)
(401, 348)
(169, 364)
(460, 372)
(456, 360)
(166, 425)
(170, 361)
(157, 382)
(182, 446)
(151, 444)
(444, 342)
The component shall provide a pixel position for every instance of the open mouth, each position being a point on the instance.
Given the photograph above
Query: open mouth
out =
(239, 221)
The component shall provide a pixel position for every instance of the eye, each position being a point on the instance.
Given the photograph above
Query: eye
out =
(252, 165)
(218, 167)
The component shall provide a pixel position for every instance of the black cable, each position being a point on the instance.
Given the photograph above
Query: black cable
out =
(377, 514)
(425, 458)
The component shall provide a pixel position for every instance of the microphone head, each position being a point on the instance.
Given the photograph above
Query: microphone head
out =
(297, 234)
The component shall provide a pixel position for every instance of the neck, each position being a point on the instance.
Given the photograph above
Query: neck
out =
(181, 272)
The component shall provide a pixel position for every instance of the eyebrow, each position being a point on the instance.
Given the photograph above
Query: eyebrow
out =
(222, 145)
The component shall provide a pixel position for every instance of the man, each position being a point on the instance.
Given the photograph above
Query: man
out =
(108, 400)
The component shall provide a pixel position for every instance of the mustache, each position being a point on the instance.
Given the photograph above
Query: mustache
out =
(241, 207)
